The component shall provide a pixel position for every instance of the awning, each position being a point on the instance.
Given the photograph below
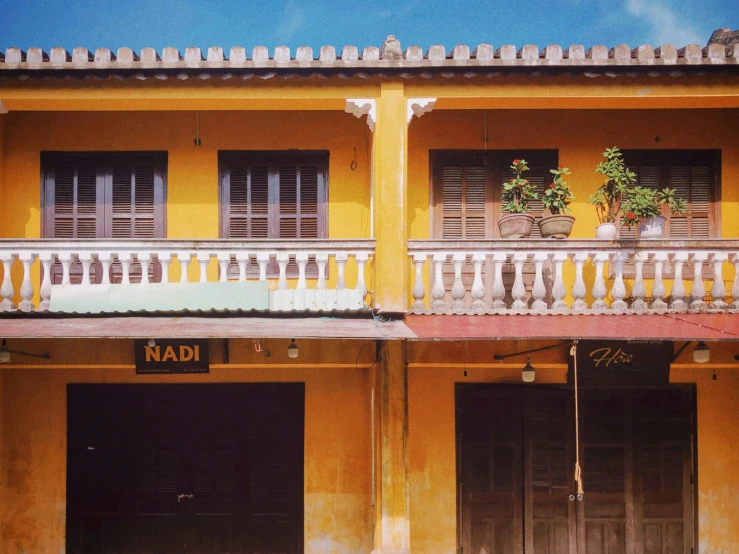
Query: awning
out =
(203, 327)
(707, 327)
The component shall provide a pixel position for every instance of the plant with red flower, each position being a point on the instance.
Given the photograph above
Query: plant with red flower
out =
(518, 192)
(558, 196)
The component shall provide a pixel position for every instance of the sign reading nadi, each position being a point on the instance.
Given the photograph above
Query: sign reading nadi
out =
(171, 356)
(612, 362)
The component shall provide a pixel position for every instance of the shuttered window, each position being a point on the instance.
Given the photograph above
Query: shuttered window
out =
(275, 195)
(694, 175)
(102, 196)
(467, 189)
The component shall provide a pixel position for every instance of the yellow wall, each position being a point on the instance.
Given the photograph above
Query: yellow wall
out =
(192, 184)
(337, 434)
(432, 442)
(580, 136)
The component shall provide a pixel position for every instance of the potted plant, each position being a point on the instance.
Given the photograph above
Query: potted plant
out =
(609, 196)
(643, 207)
(556, 199)
(517, 193)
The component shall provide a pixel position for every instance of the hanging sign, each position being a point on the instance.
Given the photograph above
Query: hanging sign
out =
(174, 356)
(622, 363)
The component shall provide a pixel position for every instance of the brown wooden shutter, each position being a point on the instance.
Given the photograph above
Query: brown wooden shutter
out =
(246, 199)
(136, 201)
(466, 198)
(74, 198)
(694, 183)
(299, 192)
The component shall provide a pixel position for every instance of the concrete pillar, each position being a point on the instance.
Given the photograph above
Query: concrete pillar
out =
(392, 522)
(390, 150)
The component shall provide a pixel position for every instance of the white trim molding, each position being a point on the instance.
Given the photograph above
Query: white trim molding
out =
(363, 106)
(418, 107)
(3, 108)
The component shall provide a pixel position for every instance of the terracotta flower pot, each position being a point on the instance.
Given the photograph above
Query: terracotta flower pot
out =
(606, 231)
(557, 226)
(515, 226)
(650, 227)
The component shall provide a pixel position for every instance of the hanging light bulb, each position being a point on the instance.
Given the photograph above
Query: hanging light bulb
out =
(292, 350)
(528, 373)
(701, 353)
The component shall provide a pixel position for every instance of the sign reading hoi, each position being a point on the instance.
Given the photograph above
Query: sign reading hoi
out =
(171, 356)
(619, 363)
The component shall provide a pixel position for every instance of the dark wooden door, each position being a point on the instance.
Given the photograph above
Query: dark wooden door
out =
(516, 482)
(196, 469)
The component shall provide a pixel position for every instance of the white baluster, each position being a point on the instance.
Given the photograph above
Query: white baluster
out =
(283, 258)
(578, 290)
(498, 289)
(105, 259)
(85, 259)
(458, 291)
(322, 295)
(126, 259)
(518, 292)
(203, 261)
(165, 258)
(6, 289)
(619, 288)
(46, 259)
(224, 259)
(361, 259)
(639, 290)
(26, 258)
(242, 258)
(263, 260)
(539, 290)
(658, 288)
(558, 288)
(66, 259)
(718, 290)
(184, 259)
(698, 289)
(419, 289)
(478, 289)
(599, 287)
(735, 286)
(144, 259)
(677, 295)
(438, 292)
(341, 258)
(302, 259)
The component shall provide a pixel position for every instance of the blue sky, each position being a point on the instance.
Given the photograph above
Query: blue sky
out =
(182, 23)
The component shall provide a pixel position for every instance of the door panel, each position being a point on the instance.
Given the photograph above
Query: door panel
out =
(168, 468)
(635, 455)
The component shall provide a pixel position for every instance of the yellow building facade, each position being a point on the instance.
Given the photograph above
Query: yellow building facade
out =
(407, 434)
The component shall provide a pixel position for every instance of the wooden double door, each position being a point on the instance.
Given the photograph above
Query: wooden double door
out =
(196, 469)
(516, 456)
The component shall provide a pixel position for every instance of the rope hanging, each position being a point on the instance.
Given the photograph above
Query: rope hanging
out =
(578, 469)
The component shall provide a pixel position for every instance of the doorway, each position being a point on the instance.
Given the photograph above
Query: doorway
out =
(516, 454)
(195, 469)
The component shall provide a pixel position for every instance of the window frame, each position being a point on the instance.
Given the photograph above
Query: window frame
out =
(226, 158)
(105, 161)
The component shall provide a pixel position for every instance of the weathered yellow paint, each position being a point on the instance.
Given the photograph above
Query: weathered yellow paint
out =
(337, 435)
(390, 198)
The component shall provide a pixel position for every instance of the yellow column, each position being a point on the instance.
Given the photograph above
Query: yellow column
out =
(2, 160)
(390, 149)
(392, 524)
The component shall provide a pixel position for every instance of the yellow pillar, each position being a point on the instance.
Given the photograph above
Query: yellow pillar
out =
(3, 117)
(390, 149)
(392, 524)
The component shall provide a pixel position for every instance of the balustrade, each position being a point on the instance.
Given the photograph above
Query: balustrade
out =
(617, 277)
(234, 260)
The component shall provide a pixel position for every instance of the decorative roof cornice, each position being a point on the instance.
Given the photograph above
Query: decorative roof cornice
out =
(389, 59)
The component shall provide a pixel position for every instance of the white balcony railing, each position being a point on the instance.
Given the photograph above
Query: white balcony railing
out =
(298, 266)
(574, 276)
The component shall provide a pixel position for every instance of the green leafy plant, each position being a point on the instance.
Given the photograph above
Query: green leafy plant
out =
(518, 192)
(558, 196)
(609, 196)
(646, 202)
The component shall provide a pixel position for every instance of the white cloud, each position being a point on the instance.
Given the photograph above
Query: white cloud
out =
(666, 26)
(290, 22)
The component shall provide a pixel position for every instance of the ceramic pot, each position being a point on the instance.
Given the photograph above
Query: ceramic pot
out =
(606, 231)
(558, 226)
(650, 227)
(515, 226)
